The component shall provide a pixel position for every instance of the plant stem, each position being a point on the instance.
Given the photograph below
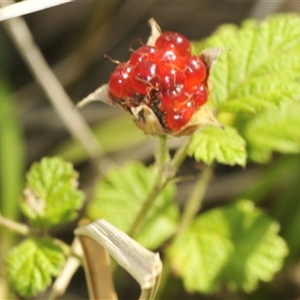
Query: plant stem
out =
(14, 226)
(26, 231)
(180, 155)
(67, 249)
(23, 8)
(162, 158)
(164, 278)
(195, 200)
(166, 170)
(70, 267)
(157, 188)
(191, 209)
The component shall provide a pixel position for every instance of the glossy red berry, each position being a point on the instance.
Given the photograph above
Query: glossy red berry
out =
(166, 77)
(119, 82)
(195, 70)
(173, 40)
(170, 78)
(143, 53)
(170, 97)
(199, 95)
(144, 77)
(170, 57)
(177, 116)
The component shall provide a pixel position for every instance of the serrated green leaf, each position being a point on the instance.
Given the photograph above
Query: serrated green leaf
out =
(200, 252)
(225, 146)
(273, 130)
(120, 195)
(51, 194)
(32, 264)
(284, 176)
(261, 67)
(237, 245)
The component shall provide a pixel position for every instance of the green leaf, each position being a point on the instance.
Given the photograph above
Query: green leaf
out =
(31, 265)
(261, 66)
(273, 130)
(225, 146)
(51, 194)
(121, 194)
(237, 245)
(283, 175)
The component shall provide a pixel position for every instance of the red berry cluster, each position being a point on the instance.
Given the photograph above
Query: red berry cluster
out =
(166, 77)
